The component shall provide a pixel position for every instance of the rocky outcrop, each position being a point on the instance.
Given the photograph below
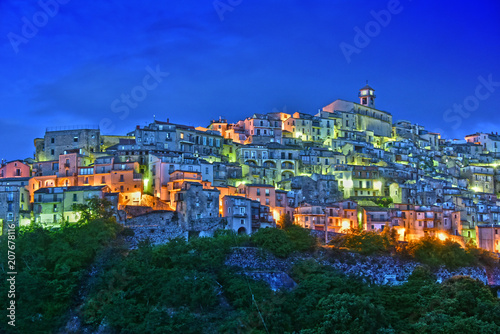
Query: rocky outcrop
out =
(380, 270)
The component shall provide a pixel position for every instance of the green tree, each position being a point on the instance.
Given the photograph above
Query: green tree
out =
(94, 208)
(285, 221)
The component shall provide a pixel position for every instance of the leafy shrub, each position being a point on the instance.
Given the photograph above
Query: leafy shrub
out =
(283, 242)
(363, 242)
(274, 240)
(434, 252)
(50, 266)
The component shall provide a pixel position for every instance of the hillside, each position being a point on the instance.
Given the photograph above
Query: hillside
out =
(84, 279)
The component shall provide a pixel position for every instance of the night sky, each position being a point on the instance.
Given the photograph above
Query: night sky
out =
(233, 58)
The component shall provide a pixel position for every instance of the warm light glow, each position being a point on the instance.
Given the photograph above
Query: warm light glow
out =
(276, 215)
(377, 185)
(348, 184)
(146, 181)
(240, 182)
(441, 236)
(346, 224)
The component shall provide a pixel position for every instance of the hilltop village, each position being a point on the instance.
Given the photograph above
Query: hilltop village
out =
(348, 166)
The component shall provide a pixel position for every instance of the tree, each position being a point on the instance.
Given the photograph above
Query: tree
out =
(95, 208)
(285, 221)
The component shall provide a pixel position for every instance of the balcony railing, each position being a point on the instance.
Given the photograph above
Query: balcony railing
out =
(379, 220)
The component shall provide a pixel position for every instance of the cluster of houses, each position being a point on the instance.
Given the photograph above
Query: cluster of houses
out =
(348, 166)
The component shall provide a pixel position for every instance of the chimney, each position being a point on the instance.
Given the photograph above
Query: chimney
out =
(168, 120)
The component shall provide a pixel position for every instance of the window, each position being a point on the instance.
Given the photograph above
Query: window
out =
(75, 139)
(52, 140)
(52, 151)
(103, 180)
(122, 179)
(258, 191)
(267, 192)
(267, 201)
(242, 222)
(181, 135)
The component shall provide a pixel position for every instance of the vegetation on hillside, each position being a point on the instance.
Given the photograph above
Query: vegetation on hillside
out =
(185, 287)
(427, 250)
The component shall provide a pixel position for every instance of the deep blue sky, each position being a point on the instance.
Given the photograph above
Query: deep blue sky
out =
(263, 56)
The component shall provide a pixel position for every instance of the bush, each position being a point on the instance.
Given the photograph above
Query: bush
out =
(301, 238)
(51, 265)
(283, 242)
(434, 252)
(274, 240)
(363, 242)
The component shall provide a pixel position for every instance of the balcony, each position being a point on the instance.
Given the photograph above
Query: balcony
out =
(240, 215)
(185, 176)
(378, 220)
(137, 176)
(66, 165)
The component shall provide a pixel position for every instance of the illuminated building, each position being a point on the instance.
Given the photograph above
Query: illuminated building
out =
(14, 169)
(52, 206)
(14, 202)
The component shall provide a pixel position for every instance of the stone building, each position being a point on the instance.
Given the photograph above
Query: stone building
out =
(367, 117)
(238, 212)
(57, 141)
(14, 201)
(194, 202)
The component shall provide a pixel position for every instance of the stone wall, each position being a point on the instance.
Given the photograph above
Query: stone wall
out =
(380, 270)
(162, 226)
(157, 234)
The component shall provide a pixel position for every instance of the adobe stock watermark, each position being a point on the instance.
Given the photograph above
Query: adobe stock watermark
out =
(31, 27)
(222, 6)
(471, 103)
(372, 29)
(137, 94)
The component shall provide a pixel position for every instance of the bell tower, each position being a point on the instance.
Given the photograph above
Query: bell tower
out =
(367, 96)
